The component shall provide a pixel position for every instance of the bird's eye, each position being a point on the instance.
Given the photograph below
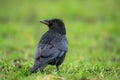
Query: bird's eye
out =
(50, 23)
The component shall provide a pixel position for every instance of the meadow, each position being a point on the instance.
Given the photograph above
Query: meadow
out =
(93, 29)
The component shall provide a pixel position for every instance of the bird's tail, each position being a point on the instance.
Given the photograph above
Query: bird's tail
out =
(43, 63)
(34, 69)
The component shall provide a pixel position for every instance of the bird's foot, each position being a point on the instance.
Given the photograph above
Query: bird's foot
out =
(57, 69)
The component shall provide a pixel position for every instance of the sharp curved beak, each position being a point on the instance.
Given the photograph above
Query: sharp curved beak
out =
(45, 22)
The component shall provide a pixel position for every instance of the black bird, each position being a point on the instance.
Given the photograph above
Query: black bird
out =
(52, 48)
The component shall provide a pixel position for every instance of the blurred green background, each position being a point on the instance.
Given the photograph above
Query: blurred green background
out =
(92, 29)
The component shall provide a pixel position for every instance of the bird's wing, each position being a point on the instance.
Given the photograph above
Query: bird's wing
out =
(62, 44)
(52, 49)
(46, 50)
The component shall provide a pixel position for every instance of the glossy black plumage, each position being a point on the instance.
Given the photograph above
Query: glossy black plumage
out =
(52, 47)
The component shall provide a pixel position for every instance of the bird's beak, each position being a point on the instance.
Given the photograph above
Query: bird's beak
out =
(45, 22)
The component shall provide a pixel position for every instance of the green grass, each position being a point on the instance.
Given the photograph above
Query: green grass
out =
(92, 30)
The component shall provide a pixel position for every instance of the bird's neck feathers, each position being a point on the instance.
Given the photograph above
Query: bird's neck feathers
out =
(60, 31)
(63, 31)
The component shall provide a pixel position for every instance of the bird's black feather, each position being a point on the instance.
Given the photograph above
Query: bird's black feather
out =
(52, 47)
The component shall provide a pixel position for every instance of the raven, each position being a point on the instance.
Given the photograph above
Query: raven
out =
(52, 48)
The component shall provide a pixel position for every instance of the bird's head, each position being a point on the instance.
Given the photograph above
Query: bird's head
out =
(55, 25)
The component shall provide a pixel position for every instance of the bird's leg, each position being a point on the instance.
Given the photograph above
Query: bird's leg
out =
(41, 70)
(57, 68)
